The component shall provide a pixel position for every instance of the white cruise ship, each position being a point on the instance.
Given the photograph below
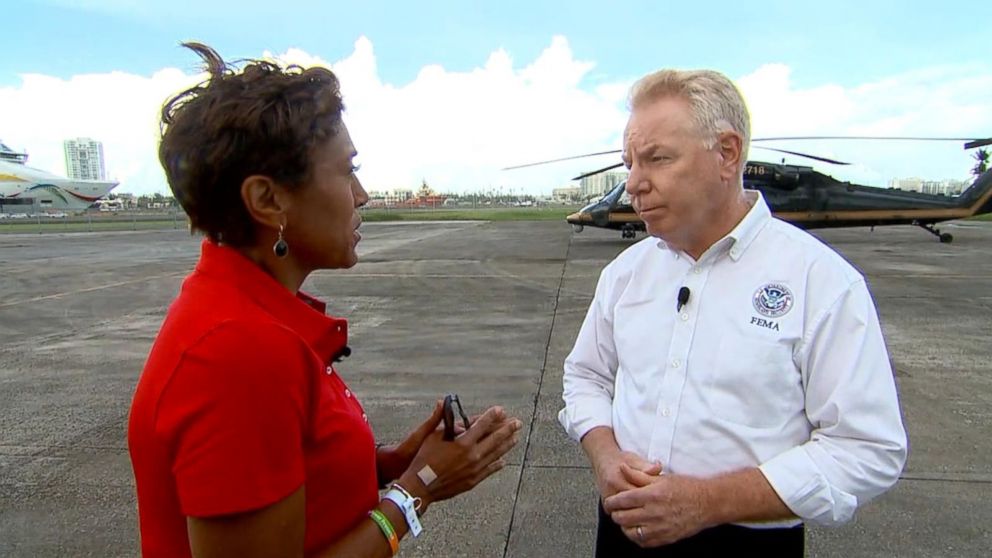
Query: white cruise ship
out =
(25, 189)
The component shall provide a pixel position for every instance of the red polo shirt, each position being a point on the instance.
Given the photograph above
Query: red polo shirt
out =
(239, 406)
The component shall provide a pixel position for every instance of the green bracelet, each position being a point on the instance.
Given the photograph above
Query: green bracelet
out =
(386, 527)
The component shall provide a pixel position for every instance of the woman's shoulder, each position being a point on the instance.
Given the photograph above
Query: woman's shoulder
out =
(212, 318)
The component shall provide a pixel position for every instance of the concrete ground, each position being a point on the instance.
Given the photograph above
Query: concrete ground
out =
(487, 310)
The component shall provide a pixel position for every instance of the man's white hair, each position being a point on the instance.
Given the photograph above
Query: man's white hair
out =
(716, 103)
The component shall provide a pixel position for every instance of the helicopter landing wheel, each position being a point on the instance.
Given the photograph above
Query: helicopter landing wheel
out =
(943, 237)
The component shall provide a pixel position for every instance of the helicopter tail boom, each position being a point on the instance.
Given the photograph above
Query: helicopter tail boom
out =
(977, 198)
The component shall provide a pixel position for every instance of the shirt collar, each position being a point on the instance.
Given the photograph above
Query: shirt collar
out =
(302, 313)
(747, 230)
(741, 236)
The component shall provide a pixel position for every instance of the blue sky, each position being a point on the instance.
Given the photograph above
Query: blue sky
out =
(842, 41)
(882, 58)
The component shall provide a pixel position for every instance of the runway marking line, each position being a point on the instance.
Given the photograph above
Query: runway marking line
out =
(91, 289)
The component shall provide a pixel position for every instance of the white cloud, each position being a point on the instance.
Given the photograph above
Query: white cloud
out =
(119, 109)
(943, 101)
(457, 129)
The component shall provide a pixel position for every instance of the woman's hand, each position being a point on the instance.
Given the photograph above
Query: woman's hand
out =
(463, 463)
(392, 460)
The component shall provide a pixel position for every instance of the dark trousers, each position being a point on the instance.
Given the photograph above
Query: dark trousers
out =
(723, 540)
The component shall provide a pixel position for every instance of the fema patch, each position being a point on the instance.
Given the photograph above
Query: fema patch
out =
(773, 300)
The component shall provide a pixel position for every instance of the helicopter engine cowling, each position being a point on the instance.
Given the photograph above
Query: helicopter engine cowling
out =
(780, 177)
(788, 180)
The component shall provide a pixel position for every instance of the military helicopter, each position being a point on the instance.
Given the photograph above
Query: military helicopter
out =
(810, 199)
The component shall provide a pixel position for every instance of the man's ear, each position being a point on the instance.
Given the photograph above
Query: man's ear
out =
(266, 201)
(731, 147)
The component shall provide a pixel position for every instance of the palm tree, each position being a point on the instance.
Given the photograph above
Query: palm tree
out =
(982, 158)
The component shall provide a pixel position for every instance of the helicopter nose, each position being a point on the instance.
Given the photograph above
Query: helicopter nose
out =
(600, 215)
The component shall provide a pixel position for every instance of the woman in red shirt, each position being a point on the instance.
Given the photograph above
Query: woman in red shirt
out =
(243, 439)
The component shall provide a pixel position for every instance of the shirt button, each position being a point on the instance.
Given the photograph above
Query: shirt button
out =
(685, 316)
(329, 370)
(676, 363)
(347, 392)
(697, 271)
(365, 417)
(666, 411)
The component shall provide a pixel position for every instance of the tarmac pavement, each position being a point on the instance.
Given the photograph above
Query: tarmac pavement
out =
(486, 310)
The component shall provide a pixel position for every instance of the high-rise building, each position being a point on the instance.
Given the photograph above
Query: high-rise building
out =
(598, 184)
(84, 159)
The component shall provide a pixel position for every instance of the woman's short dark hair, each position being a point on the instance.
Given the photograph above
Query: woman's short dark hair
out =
(261, 120)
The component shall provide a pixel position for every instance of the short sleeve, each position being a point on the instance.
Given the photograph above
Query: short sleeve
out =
(235, 414)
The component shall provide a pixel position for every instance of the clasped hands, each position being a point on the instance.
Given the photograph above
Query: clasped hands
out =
(652, 508)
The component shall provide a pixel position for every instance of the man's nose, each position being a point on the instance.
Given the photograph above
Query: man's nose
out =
(635, 182)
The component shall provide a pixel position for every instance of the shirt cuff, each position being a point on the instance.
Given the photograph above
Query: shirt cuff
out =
(578, 422)
(798, 481)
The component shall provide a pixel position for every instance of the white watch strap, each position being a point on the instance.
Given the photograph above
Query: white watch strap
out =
(408, 507)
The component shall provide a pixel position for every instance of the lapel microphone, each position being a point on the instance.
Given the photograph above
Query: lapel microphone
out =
(683, 298)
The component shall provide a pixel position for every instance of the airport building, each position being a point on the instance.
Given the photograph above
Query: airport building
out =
(945, 187)
(566, 193)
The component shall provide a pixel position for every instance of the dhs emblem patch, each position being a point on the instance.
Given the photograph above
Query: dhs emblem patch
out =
(773, 300)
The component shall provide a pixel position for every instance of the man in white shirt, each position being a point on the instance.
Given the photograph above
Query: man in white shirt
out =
(730, 381)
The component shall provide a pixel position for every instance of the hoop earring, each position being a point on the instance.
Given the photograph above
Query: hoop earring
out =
(280, 248)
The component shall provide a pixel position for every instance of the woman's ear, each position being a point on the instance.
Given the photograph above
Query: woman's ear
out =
(266, 201)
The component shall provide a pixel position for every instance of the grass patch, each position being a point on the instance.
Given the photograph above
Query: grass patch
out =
(29, 226)
(496, 214)
(123, 222)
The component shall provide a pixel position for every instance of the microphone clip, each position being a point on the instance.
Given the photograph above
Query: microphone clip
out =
(683, 298)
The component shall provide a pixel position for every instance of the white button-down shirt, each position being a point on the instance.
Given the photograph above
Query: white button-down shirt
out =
(775, 361)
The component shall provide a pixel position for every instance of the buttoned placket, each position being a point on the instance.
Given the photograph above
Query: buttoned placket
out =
(677, 363)
(348, 393)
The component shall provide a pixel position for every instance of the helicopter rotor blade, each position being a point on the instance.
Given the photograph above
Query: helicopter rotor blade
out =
(562, 159)
(798, 154)
(971, 142)
(896, 138)
(604, 169)
(978, 143)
